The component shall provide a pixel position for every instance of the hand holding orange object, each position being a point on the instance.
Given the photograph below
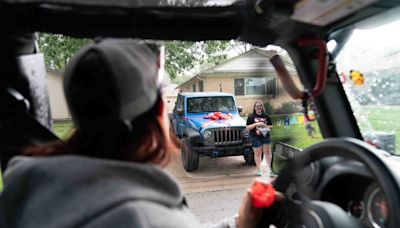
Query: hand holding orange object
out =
(263, 195)
(249, 214)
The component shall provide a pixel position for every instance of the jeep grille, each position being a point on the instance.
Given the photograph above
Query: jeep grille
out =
(227, 136)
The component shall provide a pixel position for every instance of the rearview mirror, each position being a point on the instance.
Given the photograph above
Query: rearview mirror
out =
(240, 109)
(281, 154)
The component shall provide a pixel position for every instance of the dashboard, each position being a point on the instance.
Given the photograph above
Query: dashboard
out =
(349, 185)
(361, 199)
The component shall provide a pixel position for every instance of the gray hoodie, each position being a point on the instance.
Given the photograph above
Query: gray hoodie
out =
(75, 191)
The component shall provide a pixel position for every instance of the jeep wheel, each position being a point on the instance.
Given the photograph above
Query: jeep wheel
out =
(249, 158)
(190, 159)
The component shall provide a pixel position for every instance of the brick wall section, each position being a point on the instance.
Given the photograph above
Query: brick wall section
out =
(188, 85)
(212, 84)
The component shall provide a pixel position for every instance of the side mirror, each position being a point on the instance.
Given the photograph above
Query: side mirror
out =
(240, 109)
(281, 154)
(179, 111)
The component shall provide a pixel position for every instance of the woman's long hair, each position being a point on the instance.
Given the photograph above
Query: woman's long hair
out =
(145, 142)
(262, 104)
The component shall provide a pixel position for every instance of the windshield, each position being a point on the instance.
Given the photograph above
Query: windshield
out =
(369, 68)
(211, 104)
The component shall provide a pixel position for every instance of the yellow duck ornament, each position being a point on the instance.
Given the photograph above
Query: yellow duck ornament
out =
(357, 77)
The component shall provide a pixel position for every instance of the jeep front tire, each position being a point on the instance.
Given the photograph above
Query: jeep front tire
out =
(190, 159)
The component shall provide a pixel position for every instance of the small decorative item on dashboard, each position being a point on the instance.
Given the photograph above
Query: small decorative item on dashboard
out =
(357, 77)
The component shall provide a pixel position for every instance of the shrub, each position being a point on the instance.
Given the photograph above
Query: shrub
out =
(268, 108)
(288, 108)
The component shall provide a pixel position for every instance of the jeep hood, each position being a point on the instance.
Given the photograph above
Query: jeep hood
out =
(199, 122)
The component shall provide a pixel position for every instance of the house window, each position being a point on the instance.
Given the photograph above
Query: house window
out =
(271, 87)
(194, 87)
(239, 86)
(255, 86)
(201, 87)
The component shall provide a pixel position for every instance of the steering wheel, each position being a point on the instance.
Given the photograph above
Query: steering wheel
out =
(301, 212)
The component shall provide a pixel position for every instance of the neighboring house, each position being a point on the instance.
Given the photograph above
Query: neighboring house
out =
(249, 76)
(170, 92)
(58, 104)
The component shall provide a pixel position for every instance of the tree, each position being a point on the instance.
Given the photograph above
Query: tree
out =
(58, 49)
(181, 58)
(239, 47)
(188, 56)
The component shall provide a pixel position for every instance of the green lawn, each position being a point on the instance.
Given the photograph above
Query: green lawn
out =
(382, 118)
(295, 135)
(63, 130)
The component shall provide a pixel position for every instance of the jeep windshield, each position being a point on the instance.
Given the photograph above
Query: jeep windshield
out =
(369, 68)
(211, 104)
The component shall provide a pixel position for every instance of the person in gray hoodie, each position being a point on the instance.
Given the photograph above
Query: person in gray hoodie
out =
(109, 172)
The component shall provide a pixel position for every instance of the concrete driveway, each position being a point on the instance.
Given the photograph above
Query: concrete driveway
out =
(214, 174)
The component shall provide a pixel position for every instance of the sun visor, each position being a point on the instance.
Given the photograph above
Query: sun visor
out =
(33, 68)
(322, 13)
(130, 3)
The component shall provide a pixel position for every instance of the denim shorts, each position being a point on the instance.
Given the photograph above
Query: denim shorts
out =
(259, 141)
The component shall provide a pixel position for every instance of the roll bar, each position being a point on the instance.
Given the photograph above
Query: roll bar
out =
(286, 78)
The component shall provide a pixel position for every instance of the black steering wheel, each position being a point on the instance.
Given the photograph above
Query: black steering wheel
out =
(301, 212)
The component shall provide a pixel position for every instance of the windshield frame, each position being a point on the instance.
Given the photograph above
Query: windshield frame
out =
(369, 96)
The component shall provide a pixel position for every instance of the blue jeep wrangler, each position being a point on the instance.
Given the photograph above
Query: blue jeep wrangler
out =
(201, 135)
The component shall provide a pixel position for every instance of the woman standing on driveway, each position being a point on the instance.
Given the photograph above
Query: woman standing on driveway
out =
(259, 124)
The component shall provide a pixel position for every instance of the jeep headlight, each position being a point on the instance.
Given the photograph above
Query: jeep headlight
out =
(207, 134)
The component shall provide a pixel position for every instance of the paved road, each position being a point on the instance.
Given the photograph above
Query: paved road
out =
(215, 190)
(211, 207)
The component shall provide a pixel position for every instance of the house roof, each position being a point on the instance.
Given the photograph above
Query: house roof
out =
(255, 60)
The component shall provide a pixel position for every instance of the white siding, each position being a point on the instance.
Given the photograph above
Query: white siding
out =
(170, 103)
(58, 105)
(170, 93)
(250, 62)
(59, 108)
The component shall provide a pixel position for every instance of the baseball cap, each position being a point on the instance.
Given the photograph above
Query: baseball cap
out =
(113, 79)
